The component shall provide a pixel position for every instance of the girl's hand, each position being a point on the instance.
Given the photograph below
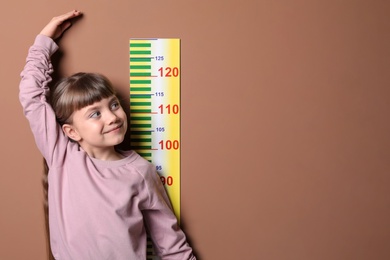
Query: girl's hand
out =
(59, 24)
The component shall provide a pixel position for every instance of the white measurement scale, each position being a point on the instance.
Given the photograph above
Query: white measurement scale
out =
(155, 110)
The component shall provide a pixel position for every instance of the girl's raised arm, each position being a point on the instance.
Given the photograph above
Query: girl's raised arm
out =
(34, 89)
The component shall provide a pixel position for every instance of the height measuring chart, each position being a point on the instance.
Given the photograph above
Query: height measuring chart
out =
(155, 109)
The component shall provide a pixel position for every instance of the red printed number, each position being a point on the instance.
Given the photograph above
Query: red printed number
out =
(168, 144)
(169, 72)
(168, 180)
(174, 109)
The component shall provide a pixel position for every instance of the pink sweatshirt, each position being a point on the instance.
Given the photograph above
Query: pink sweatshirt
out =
(97, 209)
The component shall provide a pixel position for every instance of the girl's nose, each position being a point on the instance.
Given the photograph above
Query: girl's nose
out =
(111, 117)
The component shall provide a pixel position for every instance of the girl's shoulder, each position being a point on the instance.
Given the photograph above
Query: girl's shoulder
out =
(137, 161)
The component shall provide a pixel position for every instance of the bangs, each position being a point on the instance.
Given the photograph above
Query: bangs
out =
(81, 97)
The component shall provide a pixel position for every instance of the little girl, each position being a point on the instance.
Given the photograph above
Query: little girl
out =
(101, 200)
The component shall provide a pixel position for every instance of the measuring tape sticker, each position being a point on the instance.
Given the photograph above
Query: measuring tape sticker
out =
(155, 111)
(155, 108)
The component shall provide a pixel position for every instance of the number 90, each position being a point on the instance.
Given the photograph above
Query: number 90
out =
(166, 181)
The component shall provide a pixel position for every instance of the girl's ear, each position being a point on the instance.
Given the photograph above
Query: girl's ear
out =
(71, 132)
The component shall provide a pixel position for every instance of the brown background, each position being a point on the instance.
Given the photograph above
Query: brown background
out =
(285, 121)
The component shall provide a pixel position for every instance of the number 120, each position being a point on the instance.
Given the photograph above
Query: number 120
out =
(169, 72)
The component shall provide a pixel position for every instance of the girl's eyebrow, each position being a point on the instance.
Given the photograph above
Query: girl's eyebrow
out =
(114, 98)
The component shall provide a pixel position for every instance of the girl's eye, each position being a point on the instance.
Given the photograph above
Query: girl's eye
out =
(115, 105)
(95, 114)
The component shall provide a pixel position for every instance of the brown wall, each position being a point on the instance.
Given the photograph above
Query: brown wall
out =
(285, 121)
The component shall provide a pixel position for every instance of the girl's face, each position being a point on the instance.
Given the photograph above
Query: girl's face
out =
(98, 127)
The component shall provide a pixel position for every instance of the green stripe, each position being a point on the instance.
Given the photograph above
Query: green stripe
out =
(140, 52)
(140, 140)
(140, 89)
(141, 125)
(141, 133)
(140, 45)
(140, 74)
(140, 111)
(140, 67)
(141, 118)
(148, 96)
(138, 81)
(142, 147)
(140, 103)
(139, 59)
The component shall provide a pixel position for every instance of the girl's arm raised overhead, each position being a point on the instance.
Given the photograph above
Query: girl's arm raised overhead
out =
(34, 87)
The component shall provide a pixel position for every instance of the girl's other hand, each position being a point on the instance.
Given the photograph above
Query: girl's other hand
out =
(55, 28)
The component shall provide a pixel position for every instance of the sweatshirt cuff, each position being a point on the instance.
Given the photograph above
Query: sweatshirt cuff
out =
(46, 42)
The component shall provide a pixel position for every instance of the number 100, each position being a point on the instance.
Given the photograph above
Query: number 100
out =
(168, 144)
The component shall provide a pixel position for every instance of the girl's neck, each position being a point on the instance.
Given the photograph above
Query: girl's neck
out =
(108, 154)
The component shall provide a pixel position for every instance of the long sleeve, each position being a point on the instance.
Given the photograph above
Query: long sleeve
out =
(33, 96)
(169, 240)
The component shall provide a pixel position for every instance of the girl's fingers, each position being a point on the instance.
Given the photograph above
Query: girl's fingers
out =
(69, 15)
(65, 25)
(60, 19)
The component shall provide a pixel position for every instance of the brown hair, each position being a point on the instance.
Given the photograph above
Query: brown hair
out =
(78, 91)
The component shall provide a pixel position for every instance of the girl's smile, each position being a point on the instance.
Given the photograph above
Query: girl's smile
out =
(115, 129)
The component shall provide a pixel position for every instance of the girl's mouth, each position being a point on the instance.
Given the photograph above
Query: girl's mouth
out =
(114, 129)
